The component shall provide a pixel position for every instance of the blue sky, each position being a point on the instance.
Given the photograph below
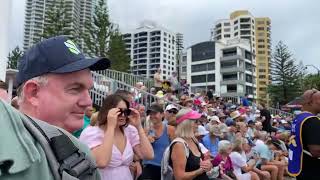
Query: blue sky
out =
(295, 22)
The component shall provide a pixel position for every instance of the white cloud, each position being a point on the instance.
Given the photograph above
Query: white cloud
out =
(295, 22)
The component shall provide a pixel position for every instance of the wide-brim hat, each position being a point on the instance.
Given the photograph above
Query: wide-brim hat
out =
(235, 114)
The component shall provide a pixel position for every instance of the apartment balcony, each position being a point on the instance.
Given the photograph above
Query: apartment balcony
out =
(231, 57)
(231, 69)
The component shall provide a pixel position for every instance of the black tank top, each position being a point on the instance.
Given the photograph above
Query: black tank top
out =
(193, 163)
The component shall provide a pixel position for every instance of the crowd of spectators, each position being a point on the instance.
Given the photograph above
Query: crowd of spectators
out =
(240, 141)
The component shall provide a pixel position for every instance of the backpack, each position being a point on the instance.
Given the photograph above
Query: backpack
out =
(66, 161)
(166, 169)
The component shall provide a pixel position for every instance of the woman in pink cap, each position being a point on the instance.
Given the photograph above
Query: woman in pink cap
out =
(191, 165)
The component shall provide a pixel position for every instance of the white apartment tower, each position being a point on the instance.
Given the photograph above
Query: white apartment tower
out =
(77, 11)
(151, 46)
(243, 25)
(224, 66)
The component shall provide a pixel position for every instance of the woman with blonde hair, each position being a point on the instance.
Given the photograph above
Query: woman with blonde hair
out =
(191, 166)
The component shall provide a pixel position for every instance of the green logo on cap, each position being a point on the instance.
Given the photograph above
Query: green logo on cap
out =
(72, 47)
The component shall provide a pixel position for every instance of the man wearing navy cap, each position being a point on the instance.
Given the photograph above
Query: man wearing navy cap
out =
(53, 81)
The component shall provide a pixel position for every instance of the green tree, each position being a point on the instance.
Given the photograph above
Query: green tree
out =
(286, 76)
(120, 61)
(97, 34)
(14, 57)
(57, 21)
(311, 81)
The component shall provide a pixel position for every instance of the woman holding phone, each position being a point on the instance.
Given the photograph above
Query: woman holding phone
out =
(113, 142)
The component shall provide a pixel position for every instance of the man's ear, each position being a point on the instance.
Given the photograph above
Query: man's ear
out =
(31, 92)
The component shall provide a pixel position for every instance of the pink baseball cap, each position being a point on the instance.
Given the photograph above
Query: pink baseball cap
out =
(191, 115)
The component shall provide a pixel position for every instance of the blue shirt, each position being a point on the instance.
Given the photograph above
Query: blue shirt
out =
(245, 102)
(159, 146)
(212, 147)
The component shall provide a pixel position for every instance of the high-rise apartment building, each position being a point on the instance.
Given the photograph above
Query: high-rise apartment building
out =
(151, 46)
(263, 56)
(242, 24)
(36, 17)
(225, 66)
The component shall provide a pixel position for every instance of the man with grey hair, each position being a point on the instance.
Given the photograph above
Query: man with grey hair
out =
(54, 79)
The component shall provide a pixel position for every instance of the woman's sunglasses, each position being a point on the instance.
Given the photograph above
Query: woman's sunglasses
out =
(125, 112)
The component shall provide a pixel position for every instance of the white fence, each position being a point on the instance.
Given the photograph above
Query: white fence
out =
(104, 86)
(127, 78)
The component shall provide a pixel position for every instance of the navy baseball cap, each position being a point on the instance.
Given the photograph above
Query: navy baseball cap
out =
(56, 55)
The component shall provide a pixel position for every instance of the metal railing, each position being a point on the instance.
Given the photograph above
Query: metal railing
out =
(104, 86)
(279, 112)
(235, 100)
(127, 78)
(108, 81)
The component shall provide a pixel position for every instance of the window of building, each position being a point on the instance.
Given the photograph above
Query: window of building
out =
(203, 51)
(227, 30)
(260, 40)
(261, 52)
(203, 67)
(236, 28)
(226, 24)
(248, 66)
(165, 34)
(236, 22)
(262, 70)
(164, 44)
(184, 69)
(203, 78)
(248, 55)
(262, 64)
(231, 88)
(249, 78)
(262, 76)
(249, 90)
(244, 20)
(245, 32)
(229, 52)
(261, 34)
(262, 82)
(229, 64)
(227, 35)
(229, 77)
(245, 26)
(164, 55)
(260, 22)
(262, 89)
(218, 25)
(165, 39)
(261, 28)
(261, 46)
(236, 34)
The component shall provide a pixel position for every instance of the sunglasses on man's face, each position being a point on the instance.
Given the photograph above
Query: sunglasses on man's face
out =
(172, 111)
(125, 112)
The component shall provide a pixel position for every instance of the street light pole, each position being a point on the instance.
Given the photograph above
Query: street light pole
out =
(310, 65)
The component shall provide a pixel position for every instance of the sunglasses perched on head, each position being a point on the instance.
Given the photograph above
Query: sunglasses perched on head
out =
(125, 112)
